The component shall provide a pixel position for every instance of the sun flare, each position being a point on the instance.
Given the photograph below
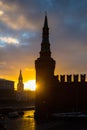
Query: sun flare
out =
(30, 85)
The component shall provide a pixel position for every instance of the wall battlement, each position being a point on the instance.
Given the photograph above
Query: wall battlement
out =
(72, 78)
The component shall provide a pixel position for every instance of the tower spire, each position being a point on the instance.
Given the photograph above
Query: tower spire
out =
(20, 85)
(46, 21)
(20, 76)
(45, 45)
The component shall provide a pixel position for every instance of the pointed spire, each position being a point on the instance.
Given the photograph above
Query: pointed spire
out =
(20, 76)
(45, 33)
(20, 86)
(45, 45)
(20, 73)
(46, 21)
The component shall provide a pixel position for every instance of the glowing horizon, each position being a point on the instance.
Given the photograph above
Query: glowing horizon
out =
(30, 85)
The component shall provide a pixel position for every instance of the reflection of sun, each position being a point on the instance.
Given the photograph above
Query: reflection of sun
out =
(30, 85)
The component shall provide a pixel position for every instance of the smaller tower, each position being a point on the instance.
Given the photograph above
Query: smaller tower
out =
(20, 85)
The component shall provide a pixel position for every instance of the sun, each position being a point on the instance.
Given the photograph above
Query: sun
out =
(30, 85)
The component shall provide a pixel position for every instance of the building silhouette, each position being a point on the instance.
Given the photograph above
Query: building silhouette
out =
(54, 93)
(6, 90)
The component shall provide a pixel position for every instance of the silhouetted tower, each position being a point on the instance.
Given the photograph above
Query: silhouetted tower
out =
(20, 85)
(44, 66)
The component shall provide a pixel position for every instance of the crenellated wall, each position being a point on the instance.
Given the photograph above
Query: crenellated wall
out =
(72, 78)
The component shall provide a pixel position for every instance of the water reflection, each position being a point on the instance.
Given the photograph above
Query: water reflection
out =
(26, 122)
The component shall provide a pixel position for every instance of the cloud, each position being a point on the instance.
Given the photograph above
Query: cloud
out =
(9, 40)
(14, 17)
(28, 69)
(1, 12)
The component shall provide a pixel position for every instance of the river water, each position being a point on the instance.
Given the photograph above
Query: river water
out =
(27, 122)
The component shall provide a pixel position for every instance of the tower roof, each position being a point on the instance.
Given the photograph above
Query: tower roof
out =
(20, 75)
(45, 45)
(46, 21)
(20, 85)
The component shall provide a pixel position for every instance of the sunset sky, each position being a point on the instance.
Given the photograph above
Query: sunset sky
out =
(21, 23)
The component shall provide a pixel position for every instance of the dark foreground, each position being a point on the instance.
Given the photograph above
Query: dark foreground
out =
(69, 125)
(27, 122)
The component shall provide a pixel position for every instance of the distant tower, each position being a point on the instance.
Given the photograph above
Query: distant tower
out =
(20, 85)
(44, 66)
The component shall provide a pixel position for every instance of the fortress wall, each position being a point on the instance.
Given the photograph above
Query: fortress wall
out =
(72, 78)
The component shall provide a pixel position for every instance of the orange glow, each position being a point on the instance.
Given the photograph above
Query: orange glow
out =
(30, 85)
(27, 73)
